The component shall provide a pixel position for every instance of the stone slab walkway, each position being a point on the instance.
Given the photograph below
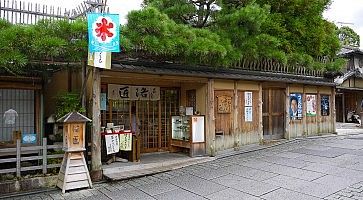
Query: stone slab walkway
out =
(319, 168)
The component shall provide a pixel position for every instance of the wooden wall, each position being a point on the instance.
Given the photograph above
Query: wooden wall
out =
(312, 125)
(236, 131)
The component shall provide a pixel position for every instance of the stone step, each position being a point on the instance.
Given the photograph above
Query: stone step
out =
(127, 172)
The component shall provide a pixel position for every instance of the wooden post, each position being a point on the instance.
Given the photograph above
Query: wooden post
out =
(210, 119)
(318, 114)
(343, 107)
(44, 149)
(96, 167)
(260, 113)
(18, 158)
(304, 119)
(287, 113)
(235, 116)
(333, 109)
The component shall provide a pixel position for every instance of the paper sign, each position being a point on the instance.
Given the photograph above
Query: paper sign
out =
(248, 98)
(100, 59)
(112, 143)
(126, 141)
(325, 107)
(248, 114)
(103, 102)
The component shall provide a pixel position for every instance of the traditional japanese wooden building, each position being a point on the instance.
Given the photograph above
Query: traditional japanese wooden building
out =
(241, 106)
(349, 90)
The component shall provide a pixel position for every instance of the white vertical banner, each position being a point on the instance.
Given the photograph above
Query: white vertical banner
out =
(248, 99)
(248, 114)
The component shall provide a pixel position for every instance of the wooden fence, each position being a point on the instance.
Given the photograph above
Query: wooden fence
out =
(20, 12)
(19, 151)
(267, 65)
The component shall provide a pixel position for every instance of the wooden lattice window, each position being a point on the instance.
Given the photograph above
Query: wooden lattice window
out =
(17, 111)
(192, 99)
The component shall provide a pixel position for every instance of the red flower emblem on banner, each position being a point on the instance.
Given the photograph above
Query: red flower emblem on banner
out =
(102, 29)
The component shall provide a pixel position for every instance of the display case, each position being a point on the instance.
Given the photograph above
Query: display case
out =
(180, 128)
(188, 134)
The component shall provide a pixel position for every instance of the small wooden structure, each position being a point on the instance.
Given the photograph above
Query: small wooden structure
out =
(73, 173)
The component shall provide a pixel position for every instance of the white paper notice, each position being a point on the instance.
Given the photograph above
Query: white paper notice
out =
(112, 143)
(248, 114)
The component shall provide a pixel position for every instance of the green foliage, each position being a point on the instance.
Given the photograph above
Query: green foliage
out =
(156, 35)
(67, 102)
(348, 37)
(46, 41)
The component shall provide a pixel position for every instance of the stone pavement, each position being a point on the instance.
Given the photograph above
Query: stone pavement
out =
(320, 168)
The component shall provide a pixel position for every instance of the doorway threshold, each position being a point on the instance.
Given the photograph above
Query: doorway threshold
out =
(150, 163)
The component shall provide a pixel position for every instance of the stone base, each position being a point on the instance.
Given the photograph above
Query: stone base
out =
(29, 184)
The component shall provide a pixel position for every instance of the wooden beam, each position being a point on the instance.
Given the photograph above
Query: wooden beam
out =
(287, 113)
(210, 119)
(304, 113)
(333, 109)
(96, 169)
(260, 113)
(235, 116)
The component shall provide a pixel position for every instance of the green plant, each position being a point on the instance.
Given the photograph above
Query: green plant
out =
(68, 102)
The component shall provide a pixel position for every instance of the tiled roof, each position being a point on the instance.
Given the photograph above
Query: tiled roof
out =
(220, 73)
(73, 117)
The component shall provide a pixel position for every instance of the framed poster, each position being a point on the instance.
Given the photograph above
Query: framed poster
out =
(325, 107)
(295, 106)
(310, 105)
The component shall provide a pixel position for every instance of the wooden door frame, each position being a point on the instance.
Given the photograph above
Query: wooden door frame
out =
(271, 114)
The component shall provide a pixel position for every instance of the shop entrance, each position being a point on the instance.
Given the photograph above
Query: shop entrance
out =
(273, 113)
(150, 120)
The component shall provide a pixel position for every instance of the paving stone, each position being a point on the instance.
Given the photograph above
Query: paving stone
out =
(250, 173)
(197, 185)
(282, 193)
(317, 190)
(157, 188)
(211, 174)
(287, 182)
(253, 187)
(330, 180)
(178, 194)
(231, 194)
(127, 194)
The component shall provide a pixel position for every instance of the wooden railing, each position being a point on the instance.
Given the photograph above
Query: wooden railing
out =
(19, 151)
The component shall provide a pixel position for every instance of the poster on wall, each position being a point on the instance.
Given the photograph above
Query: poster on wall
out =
(248, 99)
(112, 143)
(103, 102)
(295, 106)
(325, 108)
(248, 114)
(311, 105)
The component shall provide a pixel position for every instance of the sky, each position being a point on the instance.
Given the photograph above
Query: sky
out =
(341, 12)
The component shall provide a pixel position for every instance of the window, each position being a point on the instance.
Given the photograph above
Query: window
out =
(17, 112)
